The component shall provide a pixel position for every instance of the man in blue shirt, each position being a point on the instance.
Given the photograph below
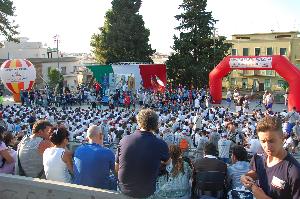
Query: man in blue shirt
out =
(139, 156)
(94, 163)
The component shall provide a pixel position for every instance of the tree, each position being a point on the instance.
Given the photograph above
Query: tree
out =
(197, 50)
(7, 27)
(55, 79)
(123, 38)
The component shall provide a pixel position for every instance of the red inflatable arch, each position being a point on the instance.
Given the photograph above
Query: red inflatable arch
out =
(276, 62)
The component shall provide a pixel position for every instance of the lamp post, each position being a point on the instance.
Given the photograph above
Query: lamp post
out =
(214, 38)
(56, 39)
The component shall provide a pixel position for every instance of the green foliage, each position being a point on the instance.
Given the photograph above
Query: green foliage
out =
(196, 50)
(123, 38)
(285, 85)
(7, 27)
(55, 79)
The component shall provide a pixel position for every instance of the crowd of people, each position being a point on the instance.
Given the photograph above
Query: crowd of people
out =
(171, 145)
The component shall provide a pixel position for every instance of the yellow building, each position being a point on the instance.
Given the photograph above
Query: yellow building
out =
(262, 44)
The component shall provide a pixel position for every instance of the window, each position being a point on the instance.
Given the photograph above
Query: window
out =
(269, 51)
(234, 51)
(281, 83)
(248, 72)
(282, 51)
(63, 70)
(262, 72)
(233, 81)
(267, 83)
(245, 83)
(256, 51)
(245, 51)
(270, 72)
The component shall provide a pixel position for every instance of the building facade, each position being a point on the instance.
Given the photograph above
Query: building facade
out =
(262, 44)
(43, 58)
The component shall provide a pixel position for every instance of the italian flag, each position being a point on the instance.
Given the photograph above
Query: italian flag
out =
(150, 76)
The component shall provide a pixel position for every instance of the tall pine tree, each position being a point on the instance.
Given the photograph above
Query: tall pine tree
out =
(123, 38)
(7, 27)
(196, 50)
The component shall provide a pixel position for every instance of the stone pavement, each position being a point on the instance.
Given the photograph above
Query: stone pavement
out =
(254, 104)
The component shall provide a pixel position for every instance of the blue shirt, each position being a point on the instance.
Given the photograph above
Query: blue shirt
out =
(92, 166)
(235, 172)
(139, 156)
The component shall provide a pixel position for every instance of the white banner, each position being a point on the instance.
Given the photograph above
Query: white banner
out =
(255, 62)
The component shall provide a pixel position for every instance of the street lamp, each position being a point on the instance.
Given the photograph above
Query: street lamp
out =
(214, 38)
(56, 39)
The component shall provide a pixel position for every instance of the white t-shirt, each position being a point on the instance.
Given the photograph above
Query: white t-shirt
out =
(224, 147)
(254, 146)
(197, 103)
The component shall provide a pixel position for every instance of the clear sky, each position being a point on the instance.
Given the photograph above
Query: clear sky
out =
(76, 20)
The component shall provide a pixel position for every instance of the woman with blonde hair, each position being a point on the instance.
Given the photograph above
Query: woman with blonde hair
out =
(174, 179)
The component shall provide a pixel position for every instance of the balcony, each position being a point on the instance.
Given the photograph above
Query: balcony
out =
(247, 73)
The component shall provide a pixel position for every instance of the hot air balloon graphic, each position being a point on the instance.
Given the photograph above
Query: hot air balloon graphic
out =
(17, 75)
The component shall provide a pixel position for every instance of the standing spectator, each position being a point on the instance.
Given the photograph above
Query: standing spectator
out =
(201, 143)
(296, 130)
(31, 149)
(105, 130)
(139, 157)
(233, 135)
(239, 167)
(197, 104)
(175, 181)
(286, 95)
(253, 145)
(127, 101)
(265, 98)
(93, 163)
(269, 101)
(228, 98)
(210, 174)
(291, 117)
(214, 138)
(57, 160)
(168, 136)
(277, 172)
(224, 147)
(31, 120)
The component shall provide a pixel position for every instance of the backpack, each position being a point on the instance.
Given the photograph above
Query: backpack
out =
(240, 194)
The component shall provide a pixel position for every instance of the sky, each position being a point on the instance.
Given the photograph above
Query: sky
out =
(76, 20)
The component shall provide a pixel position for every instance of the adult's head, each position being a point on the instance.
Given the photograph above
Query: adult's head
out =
(177, 161)
(239, 153)
(95, 134)
(230, 126)
(269, 131)
(42, 128)
(59, 136)
(147, 120)
(210, 149)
